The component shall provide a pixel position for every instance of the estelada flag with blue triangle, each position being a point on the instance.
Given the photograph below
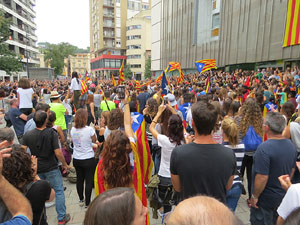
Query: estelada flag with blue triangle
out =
(139, 130)
(205, 64)
(207, 90)
(165, 86)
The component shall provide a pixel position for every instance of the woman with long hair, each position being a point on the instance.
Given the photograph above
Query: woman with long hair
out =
(115, 122)
(25, 94)
(119, 164)
(75, 87)
(84, 161)
(288, 111)
(230, 139)
(174, 137)
(250, 116)
(90, 105)
(116, 206)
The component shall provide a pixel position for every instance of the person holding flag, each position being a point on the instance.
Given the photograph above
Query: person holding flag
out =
(76, 88)
(121, 76)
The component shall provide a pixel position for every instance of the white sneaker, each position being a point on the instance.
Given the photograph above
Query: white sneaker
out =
(49, 204)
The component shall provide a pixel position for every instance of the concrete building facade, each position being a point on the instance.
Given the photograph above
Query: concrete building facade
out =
(108, 32)
(238, 34)
(79, 62)
(138, 42)
(23, 39)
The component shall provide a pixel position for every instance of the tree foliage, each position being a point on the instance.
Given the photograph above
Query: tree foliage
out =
(56, 53)
(127, 72)
(148, 69)
(9, 62)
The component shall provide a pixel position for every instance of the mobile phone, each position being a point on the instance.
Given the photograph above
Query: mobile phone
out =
(121, 92)
(166, 100)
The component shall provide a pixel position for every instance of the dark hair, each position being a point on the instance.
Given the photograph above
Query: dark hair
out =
(204, 116)
(42, 106)
(115, 165)
(24, 83)
(226, 105)
(175, 129)
(202, 98)
(187, 97)
(81, 118)
(293, 218)
(152, 107)
(132, 106)
(90, 99)
(17, 169)
(234, 108)
(2, 93)
(40, 118)
(107, 94)
(288, 109)
(7, 134)
(75, 75)
(164, 120)
(116, 119)
(115, 206)
(51, 119)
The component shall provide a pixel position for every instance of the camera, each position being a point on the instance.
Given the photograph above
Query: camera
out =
(121, 92)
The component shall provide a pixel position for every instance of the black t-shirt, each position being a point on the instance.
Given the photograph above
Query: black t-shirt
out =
(203, 169)
(142, 98)
(38, 194)
(42, 144)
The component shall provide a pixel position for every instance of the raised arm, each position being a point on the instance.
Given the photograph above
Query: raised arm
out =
(127, 117)
(152, 129)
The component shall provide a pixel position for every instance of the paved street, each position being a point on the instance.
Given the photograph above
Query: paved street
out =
(77, 213)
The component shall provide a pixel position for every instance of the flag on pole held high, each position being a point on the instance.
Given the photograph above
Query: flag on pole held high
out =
(84, 88)
(165, 86)
(205, 64)
(207, 84)
(292, 27)
(113, 80)
(87, 77)
(121, 76)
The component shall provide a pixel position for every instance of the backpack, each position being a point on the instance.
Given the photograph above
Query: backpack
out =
(251, 140)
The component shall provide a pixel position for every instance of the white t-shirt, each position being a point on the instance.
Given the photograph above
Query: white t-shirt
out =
(67, 105)
(82, 141)
(290, 202)
(75, 86)
(166, 151)
(97, 100)
(25, 96)
(295, 134)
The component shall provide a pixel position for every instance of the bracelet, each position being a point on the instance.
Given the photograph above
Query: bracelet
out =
(154, 121)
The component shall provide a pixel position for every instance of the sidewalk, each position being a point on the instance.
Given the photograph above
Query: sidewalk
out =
(77, 213)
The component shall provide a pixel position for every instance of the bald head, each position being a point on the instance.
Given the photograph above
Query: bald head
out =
(202, 210)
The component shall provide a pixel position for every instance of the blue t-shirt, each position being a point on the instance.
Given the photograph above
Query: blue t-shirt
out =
(18, 123)
(142, 98)
(273, 158)
(18, 220)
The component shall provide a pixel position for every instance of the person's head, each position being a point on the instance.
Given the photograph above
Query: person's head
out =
(107, 94)
(81, 118)
(251, 115)
(24, 83)
(105, 117)
(152, 107)
(14, 103)
(116, 119)
(42, 106)
(293, 218)
(234, 108)
(51, 119)
(7, 134)
(187, 98)
(90, 99)
(17, 169)
(204, 118)
(116, 162)
(288, 109)
(116, 206)
(175, 129)
(274, 123)
(230, 131)
(40, 118)
(74, 74)
(217, 106)
(202, 210)
(54, 96)
(226, 105)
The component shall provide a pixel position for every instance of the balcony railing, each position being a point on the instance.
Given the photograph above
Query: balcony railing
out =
(108, 4)
(111, 25)
(105, 14)
(109, 35)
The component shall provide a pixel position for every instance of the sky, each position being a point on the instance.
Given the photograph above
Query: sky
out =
(63, 21)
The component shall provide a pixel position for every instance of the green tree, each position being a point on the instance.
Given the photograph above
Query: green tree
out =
(9, 62)
(148, 69)
(56, 53)
(127, 72)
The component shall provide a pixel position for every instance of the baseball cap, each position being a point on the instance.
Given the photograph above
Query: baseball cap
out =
(172, 99)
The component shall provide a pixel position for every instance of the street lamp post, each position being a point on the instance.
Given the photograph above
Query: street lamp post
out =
(27, 54)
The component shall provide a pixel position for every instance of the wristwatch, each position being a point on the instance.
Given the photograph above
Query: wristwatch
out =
(252, 196)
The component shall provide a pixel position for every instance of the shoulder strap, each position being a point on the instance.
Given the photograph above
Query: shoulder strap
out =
(107, 105)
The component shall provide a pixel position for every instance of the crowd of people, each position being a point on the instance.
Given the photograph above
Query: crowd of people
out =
(189, 153)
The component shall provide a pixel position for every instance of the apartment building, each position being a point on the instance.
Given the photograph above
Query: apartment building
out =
(23, 39)
(79, 62)
(138, 42)
(108, 33)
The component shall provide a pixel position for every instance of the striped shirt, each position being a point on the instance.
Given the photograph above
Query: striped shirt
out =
(239, 151)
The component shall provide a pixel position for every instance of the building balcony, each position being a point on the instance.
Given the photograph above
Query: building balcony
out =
(107, 25)
(108, 4)
(109, 15)
(108, 35)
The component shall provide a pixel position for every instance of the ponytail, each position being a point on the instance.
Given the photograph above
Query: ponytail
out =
(230, 129)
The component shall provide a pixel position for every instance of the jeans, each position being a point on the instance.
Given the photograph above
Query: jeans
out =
(156, 164)
(232, 197)
(85, 170)
(262, 216)
(55, 179)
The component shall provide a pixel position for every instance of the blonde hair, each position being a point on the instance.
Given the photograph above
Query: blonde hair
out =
(231, 131)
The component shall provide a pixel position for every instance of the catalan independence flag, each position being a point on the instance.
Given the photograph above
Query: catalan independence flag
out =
(84, 88)
(205, 64)
(139, 129)
(292, 27)
(121, 76)
(165, 86)
(87, 77)
(137, 177)
(174, 66)
(207, 84)
(113, 80)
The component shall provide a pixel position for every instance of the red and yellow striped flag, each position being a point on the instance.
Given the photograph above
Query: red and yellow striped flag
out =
(137, 177)
(113, 80)
(292, 27)
(121, 76)
(84, 88)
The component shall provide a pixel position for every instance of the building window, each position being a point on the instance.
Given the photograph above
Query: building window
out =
(134, 37)
(118, 22)
(135, 66)
(132, 27)
(145, 7)
(118, 11)
(134, 56)
(118, 32)
(216, 20)
(134, 47)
